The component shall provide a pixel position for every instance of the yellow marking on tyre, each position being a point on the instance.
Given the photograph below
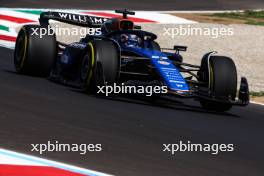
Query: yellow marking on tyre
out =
(91, 70)
(211, 76)
(25, 49)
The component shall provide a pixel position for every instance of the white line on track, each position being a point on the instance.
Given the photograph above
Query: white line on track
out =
(257, 103)
(7, 44)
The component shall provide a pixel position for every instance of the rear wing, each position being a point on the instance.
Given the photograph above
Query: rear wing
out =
(70, 18)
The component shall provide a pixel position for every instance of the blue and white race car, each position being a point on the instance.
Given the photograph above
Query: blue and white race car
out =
(125, 54)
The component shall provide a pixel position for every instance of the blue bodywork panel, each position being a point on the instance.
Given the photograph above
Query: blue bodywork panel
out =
(164, 66)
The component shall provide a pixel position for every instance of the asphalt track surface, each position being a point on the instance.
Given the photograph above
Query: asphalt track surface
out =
(35, 110)
(139, 4)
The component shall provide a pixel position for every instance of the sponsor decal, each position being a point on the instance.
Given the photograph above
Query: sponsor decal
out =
(82, 18)
(163, 62)
(155, 57)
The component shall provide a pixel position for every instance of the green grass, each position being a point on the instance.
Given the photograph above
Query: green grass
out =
(259, 23)
(254, 14)
(257, 94)
(248, 16)
(241, 15)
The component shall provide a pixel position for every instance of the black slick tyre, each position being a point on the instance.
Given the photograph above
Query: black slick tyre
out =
(100, 65)
(34, 54)
(221, 75)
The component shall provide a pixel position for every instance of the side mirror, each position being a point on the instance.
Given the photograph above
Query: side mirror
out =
(180, 48)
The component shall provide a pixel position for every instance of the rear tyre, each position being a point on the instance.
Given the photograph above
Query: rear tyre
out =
(99, 66)
(34, 54)
(221, 75)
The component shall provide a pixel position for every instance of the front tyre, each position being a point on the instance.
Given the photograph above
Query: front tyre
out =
(100, 65)
(220, 74)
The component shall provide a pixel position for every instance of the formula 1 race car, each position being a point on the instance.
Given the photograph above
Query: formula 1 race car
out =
(124, 53)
